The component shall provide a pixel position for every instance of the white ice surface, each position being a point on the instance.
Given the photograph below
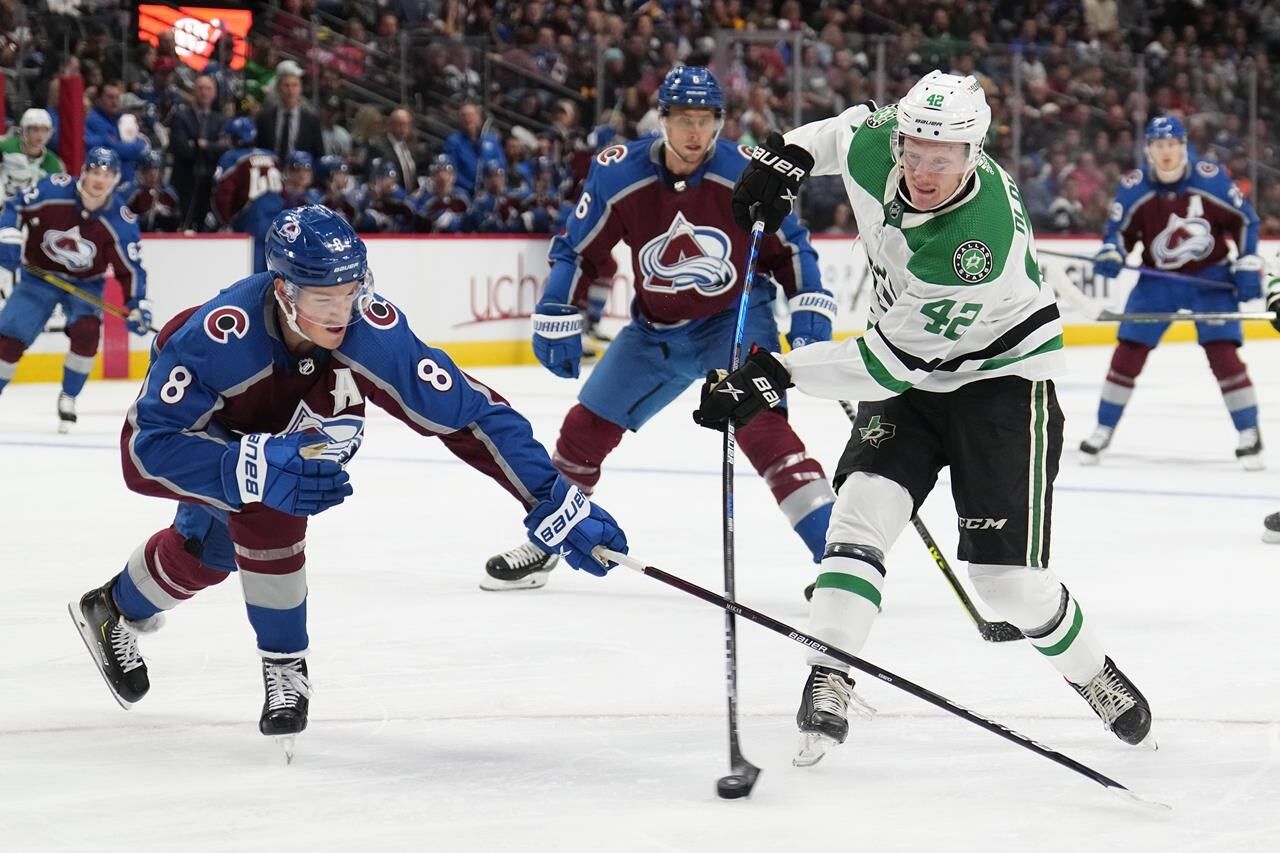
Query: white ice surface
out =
(589, 715)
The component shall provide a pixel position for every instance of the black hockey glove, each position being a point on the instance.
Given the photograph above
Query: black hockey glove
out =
(743, 394)
(768, 185)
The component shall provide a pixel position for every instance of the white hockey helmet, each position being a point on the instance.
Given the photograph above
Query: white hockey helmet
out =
(945, 108)
(35, 117)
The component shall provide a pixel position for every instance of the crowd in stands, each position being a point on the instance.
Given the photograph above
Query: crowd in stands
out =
(501, 104)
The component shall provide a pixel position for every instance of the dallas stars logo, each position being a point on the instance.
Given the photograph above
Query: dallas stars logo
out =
(876, 432)
(972, 261)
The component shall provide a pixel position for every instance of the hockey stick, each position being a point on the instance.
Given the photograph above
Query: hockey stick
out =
(1207, 283)
(732, 607)
(740, 782)
(79, 293)
(992, 632)
(1107, 315)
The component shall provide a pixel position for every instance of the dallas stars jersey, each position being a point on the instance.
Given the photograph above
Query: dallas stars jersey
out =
(18, 172)
(957, 291)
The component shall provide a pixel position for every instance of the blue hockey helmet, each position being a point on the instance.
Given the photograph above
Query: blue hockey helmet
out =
(100, 157)
(384, 168)
(1166, 127)
(690, 86)
(241, 129)
(312, 247)
(443, 162)
(330, 165)
(151, 159)
(490, 167)
(300, 160)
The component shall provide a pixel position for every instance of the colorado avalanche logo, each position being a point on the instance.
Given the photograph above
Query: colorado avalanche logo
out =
(69, 249)
(688, 257)
(223, 324)
(290, 230)
(1182, 241)
(381, 314)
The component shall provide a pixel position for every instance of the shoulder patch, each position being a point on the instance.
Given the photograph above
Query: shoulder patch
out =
(1131, 179)
(62, 179)
(1207, 169)
(972, 261)
(381, 314)
(223, 324)
(612, 154)
(128, 215)
(744, 151)
(882, 116)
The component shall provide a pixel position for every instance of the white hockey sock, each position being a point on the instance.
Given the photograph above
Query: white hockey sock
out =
(846, 599)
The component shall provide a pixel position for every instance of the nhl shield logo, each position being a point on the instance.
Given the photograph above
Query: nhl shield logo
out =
(972, 261)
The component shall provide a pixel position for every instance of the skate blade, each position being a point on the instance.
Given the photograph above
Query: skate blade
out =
(1271, 536)
(91, 644)
(533, 580)
(286, 743)
(813, 746)
(64, 427)
(1088, 460)
(1253, 463)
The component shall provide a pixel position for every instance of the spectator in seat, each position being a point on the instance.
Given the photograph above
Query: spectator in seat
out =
(398, 146)
(108, 126)
(468, 147)
(195, 141)
(289, 126)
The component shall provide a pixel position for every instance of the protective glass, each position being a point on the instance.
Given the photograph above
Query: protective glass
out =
(701, 121)
(937, 158)
(331, 307)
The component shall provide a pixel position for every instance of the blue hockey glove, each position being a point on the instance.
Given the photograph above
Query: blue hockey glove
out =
(1246, 273)
(139, 319)
(1108, 262)
(11, 242)
(812, 313)
(570, 525)
(291, 473)
(1273, 301)
(557, 338)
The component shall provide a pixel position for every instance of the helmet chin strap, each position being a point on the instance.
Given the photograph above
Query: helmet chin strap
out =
(291, 315)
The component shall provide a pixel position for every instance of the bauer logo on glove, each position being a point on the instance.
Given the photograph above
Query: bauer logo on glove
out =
(739, 396)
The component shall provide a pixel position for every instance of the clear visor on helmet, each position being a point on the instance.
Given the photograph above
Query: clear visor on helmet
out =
(334, 306)
(698, 121)
(927, 156)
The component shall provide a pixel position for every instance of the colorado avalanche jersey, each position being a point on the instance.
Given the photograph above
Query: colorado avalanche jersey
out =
(338, 202)
(157, 208)
(222, 370)
(1182, 226)
(443, 213)
(687, 253)
(65, 239)
(246, 189)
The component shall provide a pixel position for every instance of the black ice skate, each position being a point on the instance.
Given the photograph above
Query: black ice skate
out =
(284, 711)
(1123, 710)
(112, 641)
(525, 566)
(823, 715)
(1271, 528)
(1249, 450)
(808, 591)
(1091, 448)
(66, 412)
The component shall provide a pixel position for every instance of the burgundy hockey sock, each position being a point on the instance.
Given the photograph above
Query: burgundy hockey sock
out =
(797, 481)
(1233, 380)
(84, 346)
(1126, 363)
(585, 440)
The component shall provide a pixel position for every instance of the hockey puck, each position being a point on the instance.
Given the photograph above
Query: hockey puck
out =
(732, 787)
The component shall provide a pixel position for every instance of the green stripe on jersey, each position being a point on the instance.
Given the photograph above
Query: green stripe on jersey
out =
(1051, 345)
(878, 371)
(849, 583)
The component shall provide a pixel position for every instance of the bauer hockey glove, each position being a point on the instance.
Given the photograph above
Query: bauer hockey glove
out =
(289, 473)
(768, 185)
(1273, 301)
(1108, 262)
(557, 338)
(1246, 274)
(812, 313)
(139, 318)
(570, 525)
(739, 396)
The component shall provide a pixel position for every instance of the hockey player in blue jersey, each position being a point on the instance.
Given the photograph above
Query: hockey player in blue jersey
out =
(668, 199)
(74, 229)
(298, 174)
(1183, 212)
(332, 189)
(252, 407)
(247, 188)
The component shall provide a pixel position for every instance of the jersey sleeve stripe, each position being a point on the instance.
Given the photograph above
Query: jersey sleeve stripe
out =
(878, 371)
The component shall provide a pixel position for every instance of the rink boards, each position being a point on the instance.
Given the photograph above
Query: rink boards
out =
(474, 295)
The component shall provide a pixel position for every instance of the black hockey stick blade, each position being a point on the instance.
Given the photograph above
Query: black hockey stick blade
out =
(884, 675)
(998, 632)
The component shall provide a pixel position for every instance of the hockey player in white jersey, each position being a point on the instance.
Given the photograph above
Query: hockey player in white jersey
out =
(956, 368)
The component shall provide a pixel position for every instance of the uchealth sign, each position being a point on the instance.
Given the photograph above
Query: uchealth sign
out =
(474, 295)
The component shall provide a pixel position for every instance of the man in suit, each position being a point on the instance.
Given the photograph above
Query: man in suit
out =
(289, 126)
(398, 146)
(195, 141)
